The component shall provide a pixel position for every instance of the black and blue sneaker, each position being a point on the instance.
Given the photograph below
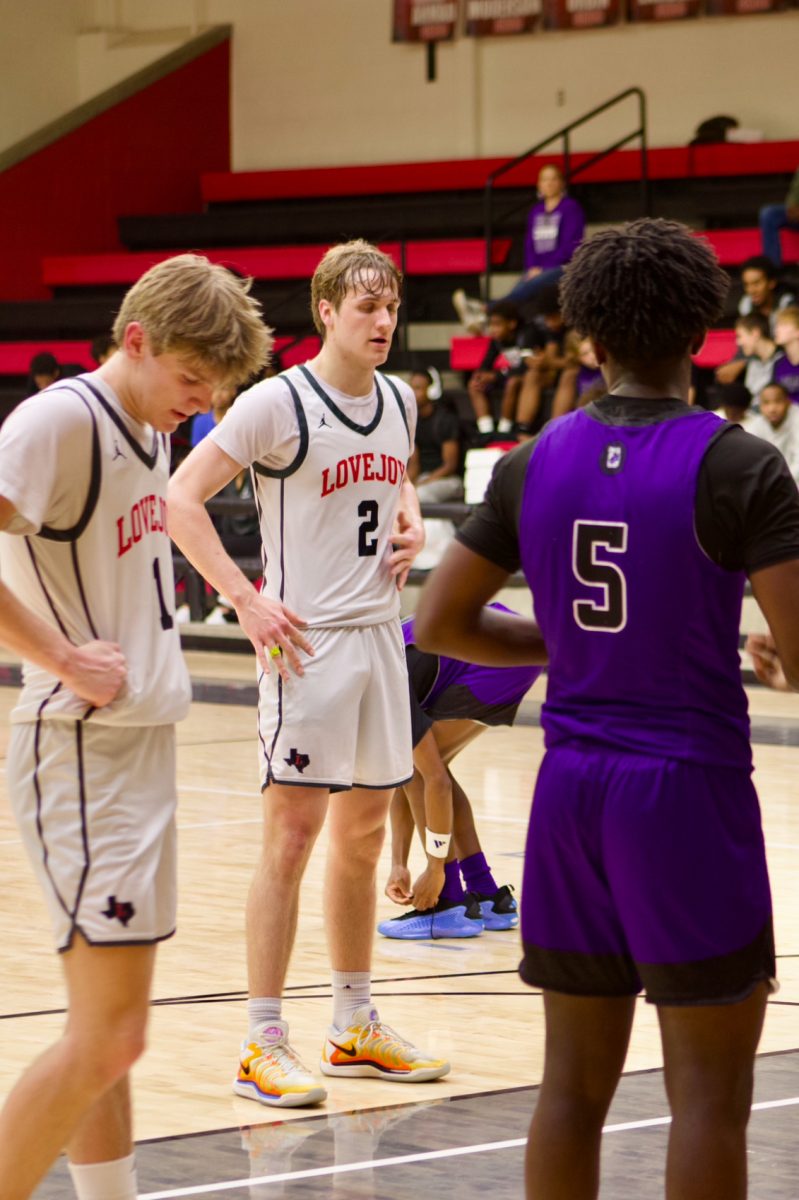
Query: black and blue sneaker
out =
(449, 919)
(499, 911)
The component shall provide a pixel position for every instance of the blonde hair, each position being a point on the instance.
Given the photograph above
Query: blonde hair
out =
(190, 306)
(790, 314)
(347, 266)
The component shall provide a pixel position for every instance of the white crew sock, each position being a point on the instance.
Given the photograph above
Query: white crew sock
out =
(485, 424)
(351, 990)
(105, 1181)
(263, 1011)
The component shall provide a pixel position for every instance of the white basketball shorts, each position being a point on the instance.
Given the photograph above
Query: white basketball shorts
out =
(345, 722)
(96, 809)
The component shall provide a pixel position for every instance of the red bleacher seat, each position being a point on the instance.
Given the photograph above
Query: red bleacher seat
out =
(664, 162)
(719, 347)
(455, 256)
(15, 357)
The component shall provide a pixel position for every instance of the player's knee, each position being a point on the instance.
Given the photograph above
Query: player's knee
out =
(713, 1098)
(362, 847)
(291, 844)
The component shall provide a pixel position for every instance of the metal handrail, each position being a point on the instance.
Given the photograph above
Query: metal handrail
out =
(568, 172)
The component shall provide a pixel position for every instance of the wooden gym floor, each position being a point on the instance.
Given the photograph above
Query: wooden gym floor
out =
(463, 1000)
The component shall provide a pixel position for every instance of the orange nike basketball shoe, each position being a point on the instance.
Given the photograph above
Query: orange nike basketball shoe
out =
(370, 1048)
(272, 1073)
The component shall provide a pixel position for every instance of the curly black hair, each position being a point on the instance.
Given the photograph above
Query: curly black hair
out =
(645, 291)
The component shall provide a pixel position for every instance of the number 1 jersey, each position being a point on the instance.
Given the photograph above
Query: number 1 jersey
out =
(88, 550)
(327, 475)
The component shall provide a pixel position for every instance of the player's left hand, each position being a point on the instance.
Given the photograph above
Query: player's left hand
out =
(398, 887)
(427, 888)
(766, 661)
(407, 538)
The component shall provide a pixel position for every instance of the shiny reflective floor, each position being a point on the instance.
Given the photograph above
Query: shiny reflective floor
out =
(461, 1000)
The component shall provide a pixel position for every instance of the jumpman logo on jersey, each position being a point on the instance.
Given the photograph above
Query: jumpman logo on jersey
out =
(117, 452)
(324, 422)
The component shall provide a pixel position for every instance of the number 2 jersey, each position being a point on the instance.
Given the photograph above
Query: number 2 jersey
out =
(327, 471)
(634, 522)
(88, 550)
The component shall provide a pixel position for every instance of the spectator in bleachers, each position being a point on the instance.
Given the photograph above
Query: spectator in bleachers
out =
(756, 356)
(763, 293)
(549, 357)
(555, 228)
(581, 379)
(494, 387)
(435, 463)
(778, 423)
(786, 335)
(102, 347)
(733, 402)
(774, 217)
(46, 369)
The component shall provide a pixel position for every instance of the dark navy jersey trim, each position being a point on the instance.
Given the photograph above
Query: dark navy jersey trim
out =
(162, 937)
(69, 535)
(364, 430)
(84, 828)
(47, 595)
(302, 423)
(334, 787)
(150, 459)
(79, 581)
(38, 791)
(401, 407)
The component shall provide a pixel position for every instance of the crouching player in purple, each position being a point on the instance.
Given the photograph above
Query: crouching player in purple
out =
(451, 703)
(636, 521)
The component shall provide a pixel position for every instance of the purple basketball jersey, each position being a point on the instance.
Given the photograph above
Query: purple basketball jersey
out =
(490, 686)
(641, 627)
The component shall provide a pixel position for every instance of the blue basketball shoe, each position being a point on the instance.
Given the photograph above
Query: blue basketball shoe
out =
(499, 911)
(449, 919)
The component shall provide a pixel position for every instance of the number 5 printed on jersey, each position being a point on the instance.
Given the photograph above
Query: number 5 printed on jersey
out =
(607, 613)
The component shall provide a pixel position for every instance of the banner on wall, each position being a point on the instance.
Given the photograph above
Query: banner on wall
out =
(579, 14)
(662, 10)
(424, 20)
(491, 18)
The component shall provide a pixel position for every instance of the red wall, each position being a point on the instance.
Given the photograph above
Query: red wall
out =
(144, 155)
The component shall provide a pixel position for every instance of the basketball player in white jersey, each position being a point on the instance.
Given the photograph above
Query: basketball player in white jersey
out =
(329, 443)
(86, 600)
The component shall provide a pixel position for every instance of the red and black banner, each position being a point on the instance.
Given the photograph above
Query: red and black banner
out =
(424, 20)
(492, 18)
(580, 14)
(740, 8)
(662, 10)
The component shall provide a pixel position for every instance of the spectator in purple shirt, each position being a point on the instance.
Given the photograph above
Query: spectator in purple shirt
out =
(555, 228)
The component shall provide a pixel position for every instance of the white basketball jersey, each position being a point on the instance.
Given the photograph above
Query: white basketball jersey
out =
(108, 577)
(326, 518)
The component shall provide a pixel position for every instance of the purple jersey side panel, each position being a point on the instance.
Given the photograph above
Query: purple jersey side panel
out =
(490, 686)
(641, 627)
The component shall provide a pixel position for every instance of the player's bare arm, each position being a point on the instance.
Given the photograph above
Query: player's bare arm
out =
(452, 617)
(437, 817)
(408, 534)
(267, 623)
(398, 887)
(776, 658)
(95, 671)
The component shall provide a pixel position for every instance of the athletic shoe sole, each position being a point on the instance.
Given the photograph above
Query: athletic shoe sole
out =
(448, 924)
(494, 921)
(251, 1091)
(368, 1070)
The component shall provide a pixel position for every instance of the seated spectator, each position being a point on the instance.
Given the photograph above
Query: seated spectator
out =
(733, 402)
(763, 293)
(581, 377)
(555, 228)
(435, 462)
(786, 335)
(494, 386)
(102, 347)
(778, 423)
(774, 217)
(548, 334)
(756, 356)
(46, 369)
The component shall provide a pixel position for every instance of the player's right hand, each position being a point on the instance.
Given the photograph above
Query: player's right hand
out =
(95, 672)
(270, 625)
(398, 887)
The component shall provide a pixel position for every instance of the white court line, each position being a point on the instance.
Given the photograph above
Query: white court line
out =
(207, 1189)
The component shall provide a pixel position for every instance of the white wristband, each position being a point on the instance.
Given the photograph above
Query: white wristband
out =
(437, 844)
